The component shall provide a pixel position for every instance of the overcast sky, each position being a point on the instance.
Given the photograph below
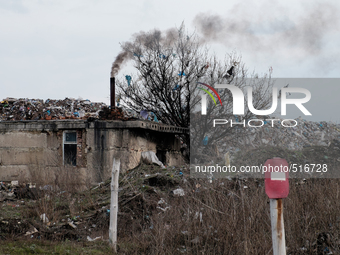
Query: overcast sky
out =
(58, 49)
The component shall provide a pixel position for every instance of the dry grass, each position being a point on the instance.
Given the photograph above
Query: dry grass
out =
(235, 219)
(222, 217)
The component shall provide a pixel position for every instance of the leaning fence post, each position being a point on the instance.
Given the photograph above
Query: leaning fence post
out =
(114, 203)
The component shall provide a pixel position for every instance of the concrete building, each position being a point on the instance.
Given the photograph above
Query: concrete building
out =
(55, 151)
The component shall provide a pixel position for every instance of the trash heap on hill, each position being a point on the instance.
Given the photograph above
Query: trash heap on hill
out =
(38, 109)
(12, 109)
(304, 134)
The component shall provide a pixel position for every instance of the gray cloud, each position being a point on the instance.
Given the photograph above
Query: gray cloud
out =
(13, 5)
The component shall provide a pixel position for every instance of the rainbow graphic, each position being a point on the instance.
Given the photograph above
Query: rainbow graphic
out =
(208, 92)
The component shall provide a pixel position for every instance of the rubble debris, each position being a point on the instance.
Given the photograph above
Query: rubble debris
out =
(44, 218)
(26, 192)
(149, 157)
(87, 218)
(14, 183)
(304, 134)
(179, 192)
(10, 194)
(13, 227)
(12, 109)
(144, 114)
(161, 181)
(114, 114)
(34, 230)
(162, 202)
(94, 239)
(140, 211)
(195, 240)
(72, 225)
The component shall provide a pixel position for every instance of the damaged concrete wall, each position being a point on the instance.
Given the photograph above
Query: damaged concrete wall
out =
(34, 150)
(105, 143)
(19, 151)
(36, 156)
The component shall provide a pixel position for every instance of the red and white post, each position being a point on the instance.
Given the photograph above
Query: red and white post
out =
(277, 187)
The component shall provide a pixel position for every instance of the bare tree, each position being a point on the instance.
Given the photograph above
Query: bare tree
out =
(170, 68)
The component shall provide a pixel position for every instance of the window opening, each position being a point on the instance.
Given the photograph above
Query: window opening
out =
(70, 148)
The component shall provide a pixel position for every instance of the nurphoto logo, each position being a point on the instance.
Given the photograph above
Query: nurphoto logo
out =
(238, 104)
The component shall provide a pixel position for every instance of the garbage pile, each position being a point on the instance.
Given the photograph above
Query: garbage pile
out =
(115, 114)
(12, 109)
(48, 212)
(37, 109)
(304, 134)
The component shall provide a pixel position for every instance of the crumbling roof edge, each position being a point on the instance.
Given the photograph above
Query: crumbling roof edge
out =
(138, 124)
(54, 125)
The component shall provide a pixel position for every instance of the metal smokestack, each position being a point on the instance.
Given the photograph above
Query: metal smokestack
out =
(112, 92)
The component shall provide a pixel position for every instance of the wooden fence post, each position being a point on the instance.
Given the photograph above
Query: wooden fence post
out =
(114, 203)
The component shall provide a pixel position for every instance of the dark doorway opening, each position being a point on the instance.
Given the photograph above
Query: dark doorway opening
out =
(161, 155)
(70, 154)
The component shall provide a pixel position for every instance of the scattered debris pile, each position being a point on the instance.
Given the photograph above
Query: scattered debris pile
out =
(304, 134)
(48, 213)
(181, 214)
(37, 109)
(12, 109)
(114, 114)
(312, 156)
